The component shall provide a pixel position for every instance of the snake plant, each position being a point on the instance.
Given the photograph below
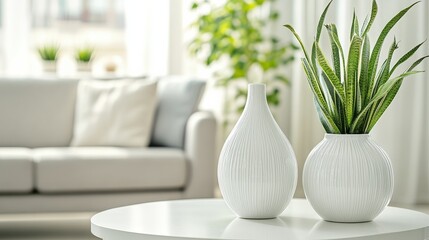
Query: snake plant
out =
(352, 92)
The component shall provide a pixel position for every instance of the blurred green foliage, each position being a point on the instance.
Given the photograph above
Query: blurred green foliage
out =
(84, 54)
(49, 52)
(235, 31)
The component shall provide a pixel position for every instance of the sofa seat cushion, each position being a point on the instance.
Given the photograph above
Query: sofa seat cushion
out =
(16, 170)
(93, 169)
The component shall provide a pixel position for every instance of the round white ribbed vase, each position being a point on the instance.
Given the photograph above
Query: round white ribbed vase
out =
(348, 178)
(257, 169)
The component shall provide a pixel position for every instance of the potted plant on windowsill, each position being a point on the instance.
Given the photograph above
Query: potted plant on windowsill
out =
(84, 58)
(347, 177)
(49, 54)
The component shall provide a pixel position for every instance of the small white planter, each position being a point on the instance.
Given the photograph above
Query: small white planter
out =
(49, 66)
(257, 169)
(84, 66)
(348, 178)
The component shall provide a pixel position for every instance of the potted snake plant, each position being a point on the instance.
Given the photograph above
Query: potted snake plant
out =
(84, 57)
(49, 55)
(347, 177)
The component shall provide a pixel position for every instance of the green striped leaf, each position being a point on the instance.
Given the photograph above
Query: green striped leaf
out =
(359, 103)
(298, 39)
(326, 120)
(372, 68)
(385, 70)
(314, 58)
(314, 84)
(379, 75)
(364, 25)
(321, 21)
(382, 92)
(318, 33)
(350, 83)
(354, 29)
(416, 63)
(337, 68)
(386, 74)
(389, 84)
(333, 79)
(327, 87)
(406, 56)
(328, 92)
(322, 119)
(323, 106)
(335, 57)
(363, 76)
(374, 10)
(386, 101)
(333, 35)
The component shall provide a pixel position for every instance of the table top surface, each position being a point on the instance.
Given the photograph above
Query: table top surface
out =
(212, 219)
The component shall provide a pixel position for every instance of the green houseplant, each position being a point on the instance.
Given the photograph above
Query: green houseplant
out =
(233, 33)
(347, 177)
(49, 54)
(351, 95)
(84, 57)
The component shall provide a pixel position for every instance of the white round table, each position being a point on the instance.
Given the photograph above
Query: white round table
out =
(212, 219)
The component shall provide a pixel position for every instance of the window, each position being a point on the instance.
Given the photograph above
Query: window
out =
(77, 23)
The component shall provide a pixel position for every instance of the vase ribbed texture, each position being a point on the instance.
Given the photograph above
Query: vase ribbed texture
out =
(257, 169)
(348, 178)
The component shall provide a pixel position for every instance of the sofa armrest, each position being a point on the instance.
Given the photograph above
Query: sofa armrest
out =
(200, 150)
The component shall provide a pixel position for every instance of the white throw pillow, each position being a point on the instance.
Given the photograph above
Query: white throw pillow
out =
(114, 113)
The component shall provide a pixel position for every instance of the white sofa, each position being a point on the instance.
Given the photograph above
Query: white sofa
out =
(39, 172)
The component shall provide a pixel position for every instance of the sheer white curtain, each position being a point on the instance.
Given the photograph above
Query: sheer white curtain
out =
(147, 33)
(15, 37)
(157, 34)
(403, 130)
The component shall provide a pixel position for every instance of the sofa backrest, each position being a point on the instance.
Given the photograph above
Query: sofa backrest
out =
(36, 112)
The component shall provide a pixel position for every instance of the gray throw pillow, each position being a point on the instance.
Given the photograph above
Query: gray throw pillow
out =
(178, 98)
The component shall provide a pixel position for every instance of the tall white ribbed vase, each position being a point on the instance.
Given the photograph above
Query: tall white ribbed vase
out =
(257, 169)
(348, 178)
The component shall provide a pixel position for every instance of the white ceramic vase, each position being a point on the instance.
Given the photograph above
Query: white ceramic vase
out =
(348, 178)
(257, 169)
